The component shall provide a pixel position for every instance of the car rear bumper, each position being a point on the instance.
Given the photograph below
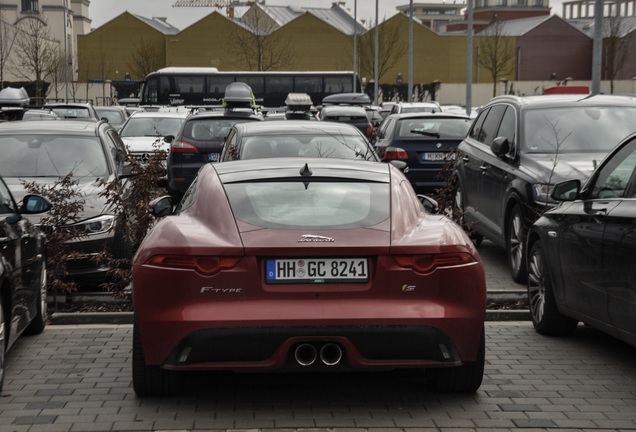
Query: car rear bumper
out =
(370, 334)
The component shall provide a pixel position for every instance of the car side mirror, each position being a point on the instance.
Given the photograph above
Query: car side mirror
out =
(500, 146)
(429, 204)
(160, 207)
(35, 204)
(401, 165)
(168, 139)
(568, 190)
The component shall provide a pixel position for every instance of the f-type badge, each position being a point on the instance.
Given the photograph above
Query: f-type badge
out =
(310, 238)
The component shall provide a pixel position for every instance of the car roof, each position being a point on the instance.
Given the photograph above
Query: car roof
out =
(226, 114)
(418, 104)
(159, 114)
(344, 109)
(51, 127)
(296, 127)
(250, 169)
(437, 114)
(540, 101)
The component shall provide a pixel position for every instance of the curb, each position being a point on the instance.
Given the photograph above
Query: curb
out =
(63, 318)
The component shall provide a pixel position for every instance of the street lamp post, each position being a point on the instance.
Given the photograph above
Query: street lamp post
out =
(355, 44)
(377, 55)
(410, 85)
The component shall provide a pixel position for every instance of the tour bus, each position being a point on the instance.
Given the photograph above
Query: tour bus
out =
(205, 86)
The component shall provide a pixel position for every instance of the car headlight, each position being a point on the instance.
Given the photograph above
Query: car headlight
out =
(541, 194)
(97, 225)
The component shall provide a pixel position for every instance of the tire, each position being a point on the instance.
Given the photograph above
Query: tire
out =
(546, 318)
(151, 380)
(458, 215)
(515, 245)
(3, 342)
(37, 324)
(466, 378)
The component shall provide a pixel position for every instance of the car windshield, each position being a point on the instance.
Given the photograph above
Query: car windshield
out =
(438, 127)
(113, 116)
(419, 109)
(329, 146)
(306, 204)
(576, 129)
(52, 156)
(209, 129)
(151, 126)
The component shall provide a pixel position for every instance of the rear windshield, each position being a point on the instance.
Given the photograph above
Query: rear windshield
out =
(309, 205)
(151, 126)
(302, 145)
(445, 127)
(210, 129)
(576, 129)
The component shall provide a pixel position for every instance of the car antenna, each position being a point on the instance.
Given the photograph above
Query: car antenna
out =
(305, 171)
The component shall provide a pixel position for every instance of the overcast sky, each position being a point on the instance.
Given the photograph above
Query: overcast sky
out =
(102, 11)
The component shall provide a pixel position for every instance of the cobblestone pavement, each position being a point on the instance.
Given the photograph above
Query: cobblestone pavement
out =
(78, 378)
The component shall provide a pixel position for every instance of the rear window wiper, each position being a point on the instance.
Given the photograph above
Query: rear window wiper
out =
(421, 132)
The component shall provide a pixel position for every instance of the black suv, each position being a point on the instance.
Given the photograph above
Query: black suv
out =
(201, 137)
(519, 147)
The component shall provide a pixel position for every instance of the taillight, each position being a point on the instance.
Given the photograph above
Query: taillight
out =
(429, 262)
(205, 265)
(179, 146)
(395, 153)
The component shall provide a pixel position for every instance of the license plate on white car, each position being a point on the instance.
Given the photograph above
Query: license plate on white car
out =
(316, 270)
(434, 156)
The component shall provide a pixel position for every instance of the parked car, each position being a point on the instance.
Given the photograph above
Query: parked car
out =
(45, 151)
(296, 138)
(425, 141)
(305, 264)
(39, 114)
(22, 271)
(115, 114)
(146, 132)
(411, 107)
(73, 110)
(581, 253)
(200, 139)
(519, 147)
(354, 115)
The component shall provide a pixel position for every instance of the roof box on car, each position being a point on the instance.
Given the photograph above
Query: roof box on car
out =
(347, 99)
(298, 102)
(11, 96)
(239, 95)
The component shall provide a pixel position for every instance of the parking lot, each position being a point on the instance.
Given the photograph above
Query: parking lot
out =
(78, 378)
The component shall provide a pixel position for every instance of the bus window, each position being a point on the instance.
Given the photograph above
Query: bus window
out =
(279, 84)
(150, 90)
(341, 84)
(189, 84)
(308, 84)
(217, 84)
(256, 82)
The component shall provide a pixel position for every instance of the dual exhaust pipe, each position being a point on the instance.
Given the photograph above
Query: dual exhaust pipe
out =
(306, 354)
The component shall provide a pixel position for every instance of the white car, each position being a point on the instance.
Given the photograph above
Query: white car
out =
(411, 107)
(144, 132)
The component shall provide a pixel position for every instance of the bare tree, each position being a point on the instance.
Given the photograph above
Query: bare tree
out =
(616, 46)
(390, 50)
(146, 58)
(259, 47)
(7, 38)
(496, 52)
(58, 72)
(36, 54)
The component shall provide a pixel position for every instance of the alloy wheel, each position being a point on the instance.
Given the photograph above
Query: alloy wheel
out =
(536, 286)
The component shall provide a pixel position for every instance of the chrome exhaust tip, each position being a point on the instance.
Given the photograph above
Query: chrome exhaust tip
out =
(330, 354)
(305, 354)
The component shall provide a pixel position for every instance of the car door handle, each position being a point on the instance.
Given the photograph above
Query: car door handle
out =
(599, 215)
(465, 159)
(483, 167)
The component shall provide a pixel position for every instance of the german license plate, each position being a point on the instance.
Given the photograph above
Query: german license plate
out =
(434, 156)
(213, 157)
(316, 270)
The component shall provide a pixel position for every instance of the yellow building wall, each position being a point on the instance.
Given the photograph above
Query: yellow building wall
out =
(317, 45)
(107, 52)
(204, 44)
